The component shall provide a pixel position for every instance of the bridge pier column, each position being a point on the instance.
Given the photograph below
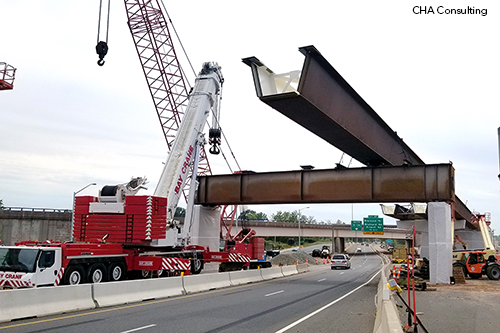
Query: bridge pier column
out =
(440, 242)
(338, 245)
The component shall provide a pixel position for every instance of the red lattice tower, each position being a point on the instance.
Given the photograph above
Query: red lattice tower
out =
(7, 75)
(161, 68)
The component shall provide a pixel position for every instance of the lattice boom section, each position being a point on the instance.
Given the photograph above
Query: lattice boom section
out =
(160, 63)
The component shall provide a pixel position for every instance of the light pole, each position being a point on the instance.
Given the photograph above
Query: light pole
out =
(73, 210)
(298, 217)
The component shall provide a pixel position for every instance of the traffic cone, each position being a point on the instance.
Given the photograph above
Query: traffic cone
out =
(394, 271)
(307, 261)
(297, 262)
(324, 261)
(316, 261)
(399, 274)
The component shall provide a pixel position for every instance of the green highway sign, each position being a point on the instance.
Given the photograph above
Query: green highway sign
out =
(356, 225)
(373, 225)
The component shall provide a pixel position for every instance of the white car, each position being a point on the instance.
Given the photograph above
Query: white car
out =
(340, 260)
(358, 249)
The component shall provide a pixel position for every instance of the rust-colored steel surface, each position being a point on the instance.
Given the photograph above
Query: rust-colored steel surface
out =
(328, 106)
(421, 183)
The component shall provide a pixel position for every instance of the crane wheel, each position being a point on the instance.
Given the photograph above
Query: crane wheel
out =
(97, 273)
(75, 274)
(116, 271)
(493, 272)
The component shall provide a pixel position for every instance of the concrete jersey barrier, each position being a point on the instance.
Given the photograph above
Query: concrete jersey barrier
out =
(301, 268)
(289, 270)
(197, 283)
(22, 303)
(271, 273)
(243, 277)
(114, 293)
(387, 315)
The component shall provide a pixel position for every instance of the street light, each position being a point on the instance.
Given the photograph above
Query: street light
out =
(299, 222)
(73, 211)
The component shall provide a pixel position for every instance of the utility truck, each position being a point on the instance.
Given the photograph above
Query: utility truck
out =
(120, 233)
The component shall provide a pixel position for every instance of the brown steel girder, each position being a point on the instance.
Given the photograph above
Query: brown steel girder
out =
(423, 183)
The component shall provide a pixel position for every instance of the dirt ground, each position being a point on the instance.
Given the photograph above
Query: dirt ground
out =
(479, 286)
(470, 307)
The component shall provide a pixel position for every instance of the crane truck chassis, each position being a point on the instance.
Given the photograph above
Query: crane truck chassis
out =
(34, 264)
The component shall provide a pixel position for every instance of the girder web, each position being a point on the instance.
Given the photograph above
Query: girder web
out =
(161, 68)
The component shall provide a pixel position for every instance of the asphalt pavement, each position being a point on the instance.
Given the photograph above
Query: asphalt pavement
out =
(322, 300)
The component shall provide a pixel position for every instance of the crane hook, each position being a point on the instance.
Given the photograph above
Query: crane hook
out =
(214, 139)
(101, 49)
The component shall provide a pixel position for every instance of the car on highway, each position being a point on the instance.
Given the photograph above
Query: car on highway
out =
(340, 260)
(358, 249)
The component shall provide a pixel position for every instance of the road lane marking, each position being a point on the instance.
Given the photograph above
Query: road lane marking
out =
(271, 294)
(326, 306)
(321, 280)
(342, 273)
(139, 328)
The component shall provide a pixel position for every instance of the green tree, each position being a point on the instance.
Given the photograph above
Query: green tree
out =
(252, 215)
(294, 217)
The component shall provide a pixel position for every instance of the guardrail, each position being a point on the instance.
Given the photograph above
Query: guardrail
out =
(43, 210)
(28, 303)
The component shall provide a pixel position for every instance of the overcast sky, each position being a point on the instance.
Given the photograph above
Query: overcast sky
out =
(68, 122)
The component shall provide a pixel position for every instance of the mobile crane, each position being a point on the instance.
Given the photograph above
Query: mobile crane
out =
(120, 233)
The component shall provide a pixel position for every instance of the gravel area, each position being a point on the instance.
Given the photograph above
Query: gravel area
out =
(290, 258)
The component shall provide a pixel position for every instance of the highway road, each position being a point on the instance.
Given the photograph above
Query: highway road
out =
(322, 300)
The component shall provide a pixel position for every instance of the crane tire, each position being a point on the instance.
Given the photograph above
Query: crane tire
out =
(493, 272)
(196, 266)
(97, 273)
(116, 271)
(75, 274)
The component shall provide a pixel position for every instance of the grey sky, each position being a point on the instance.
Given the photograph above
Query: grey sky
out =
(69, 122)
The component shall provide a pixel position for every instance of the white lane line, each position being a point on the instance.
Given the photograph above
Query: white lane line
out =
(342, 273)
(271, 294)
(139, 328)
(326, 306)
(321, 280)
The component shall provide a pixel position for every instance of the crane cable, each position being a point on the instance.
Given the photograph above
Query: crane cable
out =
(182, 46)
(102, 47)
(194, 72)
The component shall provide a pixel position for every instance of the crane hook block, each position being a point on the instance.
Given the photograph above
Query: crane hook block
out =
(101, 49)
(214, 139)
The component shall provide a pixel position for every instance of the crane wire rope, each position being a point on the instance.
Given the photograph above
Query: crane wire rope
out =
(189, 84)
(182, 45)
(102, 47)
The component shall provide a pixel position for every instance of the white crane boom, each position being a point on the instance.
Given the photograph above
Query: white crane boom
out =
(202, 100)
